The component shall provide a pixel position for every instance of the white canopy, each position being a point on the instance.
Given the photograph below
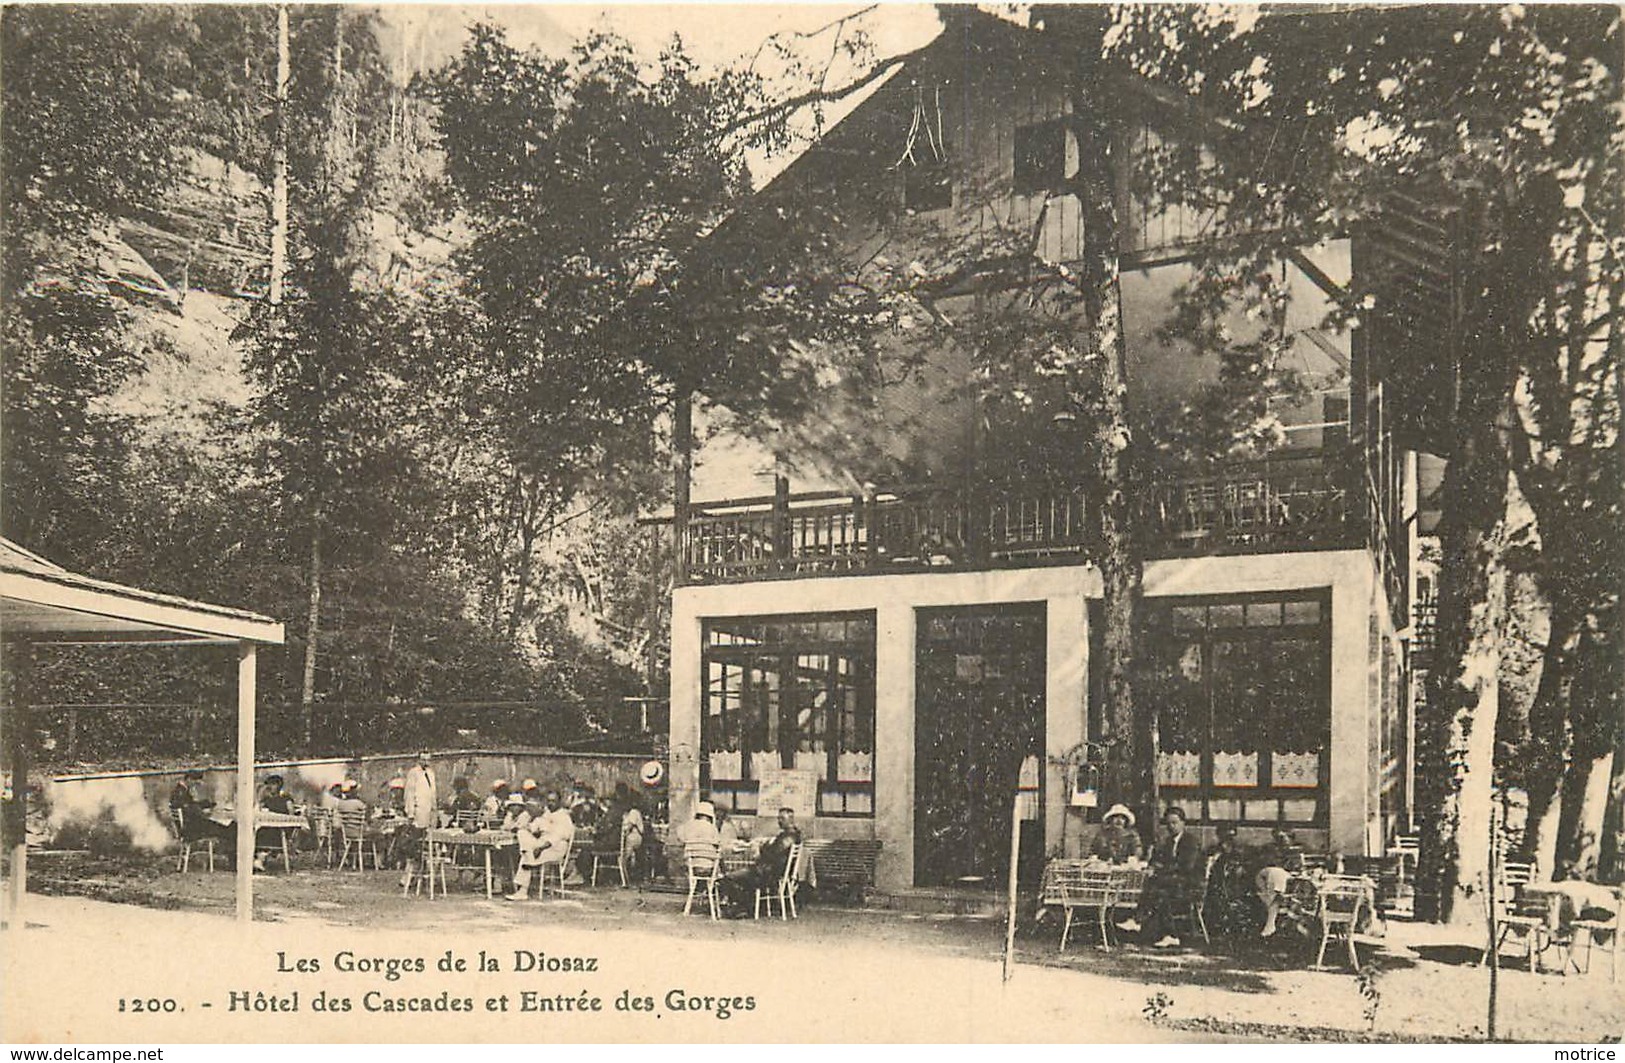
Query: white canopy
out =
(43, 603)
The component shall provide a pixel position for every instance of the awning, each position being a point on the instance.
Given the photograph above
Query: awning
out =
(42, 603)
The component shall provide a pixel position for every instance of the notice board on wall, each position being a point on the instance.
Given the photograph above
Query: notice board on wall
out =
(788, 788)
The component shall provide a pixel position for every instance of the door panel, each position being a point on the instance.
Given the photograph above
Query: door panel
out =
(979, 710)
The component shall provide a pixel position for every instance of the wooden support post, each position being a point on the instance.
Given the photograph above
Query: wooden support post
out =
(20, 660)
(871, 537)
(781, 523)
(682, 445)
(245, 782)
(1015, 859)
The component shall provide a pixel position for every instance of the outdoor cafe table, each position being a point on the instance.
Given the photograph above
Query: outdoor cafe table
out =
(283, 823)
(486, 840)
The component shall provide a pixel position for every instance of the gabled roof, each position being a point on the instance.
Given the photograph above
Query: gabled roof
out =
(41, 601)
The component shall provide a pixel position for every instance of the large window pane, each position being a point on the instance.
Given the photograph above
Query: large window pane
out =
(798, 694)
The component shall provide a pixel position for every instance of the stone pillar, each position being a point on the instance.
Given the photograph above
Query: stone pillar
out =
(686, 680)
(894, 744)
(1066, 665)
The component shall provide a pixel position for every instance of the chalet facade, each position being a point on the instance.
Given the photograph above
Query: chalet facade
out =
(891, 651)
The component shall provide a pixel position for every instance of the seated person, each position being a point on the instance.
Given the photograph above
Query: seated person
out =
(1278, 863)
(188, 802)
(702, 829)
(515, 813)
(1177, 865)
(1117, 842)
(272, 798)
(349, 798)
(1231, 904)
(729, 836)
(737, 889)
(462, 799)
(544, 839)
(493, 806)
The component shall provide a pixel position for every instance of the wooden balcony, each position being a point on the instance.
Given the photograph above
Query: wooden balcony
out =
(1291, 502)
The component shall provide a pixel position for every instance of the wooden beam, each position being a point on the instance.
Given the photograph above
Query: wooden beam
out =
(245, 782)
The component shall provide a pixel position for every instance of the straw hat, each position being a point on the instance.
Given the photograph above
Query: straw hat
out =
(1118, 810)
(706, 809)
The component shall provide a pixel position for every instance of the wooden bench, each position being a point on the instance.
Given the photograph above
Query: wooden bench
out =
(844, 864)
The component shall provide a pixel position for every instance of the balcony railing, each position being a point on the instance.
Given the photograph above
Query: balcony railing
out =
(1283, 503)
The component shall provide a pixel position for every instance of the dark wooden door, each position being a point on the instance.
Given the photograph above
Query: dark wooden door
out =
(979, 710)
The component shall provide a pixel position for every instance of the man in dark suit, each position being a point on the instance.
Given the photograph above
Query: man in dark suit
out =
(1177, 865)
(738, 888)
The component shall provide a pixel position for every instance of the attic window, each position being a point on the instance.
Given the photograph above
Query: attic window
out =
(927, 187)
(1040, 163)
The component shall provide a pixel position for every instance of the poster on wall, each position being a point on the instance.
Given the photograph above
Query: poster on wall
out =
(788, 788)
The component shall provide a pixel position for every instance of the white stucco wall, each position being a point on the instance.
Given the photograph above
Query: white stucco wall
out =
(1064, 590)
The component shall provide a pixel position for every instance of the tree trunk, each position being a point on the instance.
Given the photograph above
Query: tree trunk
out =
(1580, 819)
(279, 163)
(1611, 849)
(1501, 237)
(1548, 748)
(313, 627)
(1465, 699)
(1132, 734)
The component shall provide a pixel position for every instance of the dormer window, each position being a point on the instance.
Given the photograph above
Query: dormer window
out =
(1040, 158)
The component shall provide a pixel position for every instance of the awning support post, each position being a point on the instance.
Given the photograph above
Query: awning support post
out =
(245, 782)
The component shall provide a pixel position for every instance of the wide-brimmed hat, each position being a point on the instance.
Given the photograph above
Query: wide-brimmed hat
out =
(1118, 810)
(514, 799)
(498, 784)
(706, 809)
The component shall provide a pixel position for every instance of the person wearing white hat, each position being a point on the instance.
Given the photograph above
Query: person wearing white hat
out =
(492, 807)
(702, 829)
(1117, 843)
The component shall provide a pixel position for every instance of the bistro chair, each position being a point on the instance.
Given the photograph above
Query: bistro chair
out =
(1194, 911)
(323, 829)
(1342, 899)
(183, 859)
(616, 857)
(357, 838)
(1602, 934)
(432, 858)
(784, 890)
(1516, 915)
(469, 820)
(704, 862)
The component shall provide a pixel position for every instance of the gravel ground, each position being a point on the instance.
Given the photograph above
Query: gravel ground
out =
(836, 974)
